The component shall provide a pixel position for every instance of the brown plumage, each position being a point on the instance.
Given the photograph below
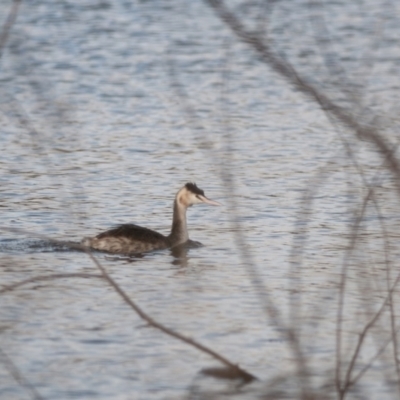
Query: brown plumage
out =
(134, 239)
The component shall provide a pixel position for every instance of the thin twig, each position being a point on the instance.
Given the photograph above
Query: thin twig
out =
(17, 375)
(372, 360)
(10, 21)
(342, 290)
(51, 277)
(348, 381)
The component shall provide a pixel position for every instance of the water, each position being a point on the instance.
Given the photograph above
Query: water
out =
(107, 109)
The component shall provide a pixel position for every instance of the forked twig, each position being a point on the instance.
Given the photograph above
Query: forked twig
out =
(348, 380)
(371, 361)
(342, 290)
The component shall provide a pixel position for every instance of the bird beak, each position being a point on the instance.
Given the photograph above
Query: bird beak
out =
(204, 199)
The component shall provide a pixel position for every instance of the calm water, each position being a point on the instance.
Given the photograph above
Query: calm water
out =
(107, 109)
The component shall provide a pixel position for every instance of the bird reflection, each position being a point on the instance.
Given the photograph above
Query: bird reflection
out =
(180, 253)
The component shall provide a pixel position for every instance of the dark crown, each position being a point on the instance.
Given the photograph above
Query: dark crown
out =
(194, 189)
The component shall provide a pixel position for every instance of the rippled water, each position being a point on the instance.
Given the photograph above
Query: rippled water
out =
(107, 109)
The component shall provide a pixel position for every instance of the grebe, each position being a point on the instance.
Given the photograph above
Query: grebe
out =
(134, 239)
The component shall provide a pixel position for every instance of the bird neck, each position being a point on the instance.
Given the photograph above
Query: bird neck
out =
(179, 233)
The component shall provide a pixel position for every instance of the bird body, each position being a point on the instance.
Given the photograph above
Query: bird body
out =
(134, 239)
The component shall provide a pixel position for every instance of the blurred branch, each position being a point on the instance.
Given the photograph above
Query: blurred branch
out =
(268, 305)
(236, 371)
(42, 278)
(370, 362)
(334, 112)
(16, 374)
(10, 21)
(342, 291)
(348, 380)
(283, 68)
(325, 44)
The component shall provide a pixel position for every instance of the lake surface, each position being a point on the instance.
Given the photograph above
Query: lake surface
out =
(107, 109)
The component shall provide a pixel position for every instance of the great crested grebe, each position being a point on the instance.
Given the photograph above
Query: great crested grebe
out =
(134, 239)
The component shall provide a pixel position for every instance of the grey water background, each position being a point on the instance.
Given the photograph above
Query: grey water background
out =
(96, 129)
